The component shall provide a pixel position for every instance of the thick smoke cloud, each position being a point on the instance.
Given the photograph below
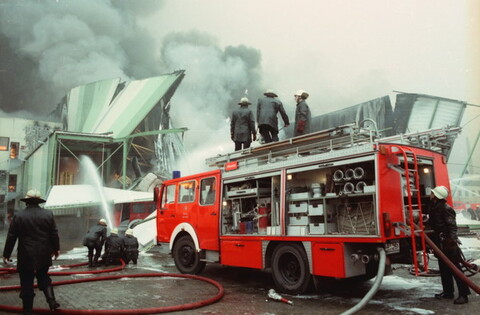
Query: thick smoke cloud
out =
(49, 47)
(215, 81)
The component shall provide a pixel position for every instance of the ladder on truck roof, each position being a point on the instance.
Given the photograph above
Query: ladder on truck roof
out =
(345, 136)
(313, 143)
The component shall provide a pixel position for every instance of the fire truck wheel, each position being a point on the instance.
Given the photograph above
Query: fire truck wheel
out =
(290, 269)
(186, 257)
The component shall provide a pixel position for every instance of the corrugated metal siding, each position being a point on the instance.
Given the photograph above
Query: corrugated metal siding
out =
(133, 104)
(414, 112)
(86, 104)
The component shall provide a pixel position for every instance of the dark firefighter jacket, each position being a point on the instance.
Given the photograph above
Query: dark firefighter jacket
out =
(37, 236)
(114, 246)
(303, 118)
(131, 245)
(96, 236)
(442, 220)
(267, 109)
(242, 126)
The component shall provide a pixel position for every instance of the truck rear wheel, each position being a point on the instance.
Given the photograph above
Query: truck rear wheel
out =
(290, 269)
(186, 257)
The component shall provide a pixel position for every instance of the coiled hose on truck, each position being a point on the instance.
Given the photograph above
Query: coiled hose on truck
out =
(152, 310)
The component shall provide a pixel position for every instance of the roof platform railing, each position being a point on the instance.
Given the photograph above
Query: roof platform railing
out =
(313, 143)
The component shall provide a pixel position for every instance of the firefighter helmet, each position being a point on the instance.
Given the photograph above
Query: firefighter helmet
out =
(302, 94)
(33, 196)
(129, 232)
(102, 222)
(114, 231)
(441, 192)
(244, 101)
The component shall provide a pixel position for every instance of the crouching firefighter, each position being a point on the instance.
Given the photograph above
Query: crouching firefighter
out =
(131, 247)
(114, 246)
(38, 241)
(94, 241)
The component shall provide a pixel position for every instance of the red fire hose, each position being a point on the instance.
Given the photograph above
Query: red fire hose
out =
(455, 270)
(151, 310)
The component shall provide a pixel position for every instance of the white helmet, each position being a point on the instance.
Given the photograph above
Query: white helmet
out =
(102, 222)
(302, 94)
(244, 101)
(114, 231)
(33, 197)
(129, 232)
(441, 192)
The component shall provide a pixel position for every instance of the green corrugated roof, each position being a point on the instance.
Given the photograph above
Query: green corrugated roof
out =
(92, 110)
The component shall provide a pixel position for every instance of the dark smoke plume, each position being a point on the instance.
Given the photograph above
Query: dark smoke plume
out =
(48, 47)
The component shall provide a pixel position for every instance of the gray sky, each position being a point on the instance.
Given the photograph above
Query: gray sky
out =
(343, 52)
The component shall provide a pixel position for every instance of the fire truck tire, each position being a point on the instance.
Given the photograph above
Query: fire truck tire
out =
(186, 257)
(290, 269)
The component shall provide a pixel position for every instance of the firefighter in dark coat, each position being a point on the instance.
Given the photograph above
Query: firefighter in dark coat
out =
(131, 247)
(94, 241)
(443, 223)
(267, 109)
(303, 116)
(242, 126)
(38, 241)
(114, 247)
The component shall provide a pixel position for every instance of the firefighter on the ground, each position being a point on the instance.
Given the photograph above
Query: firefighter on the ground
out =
(114, 246)
(303, 116)
(131, 247)
(94, 240)
(38, 242)
(267, 109)
(442, 222)
(242, 126)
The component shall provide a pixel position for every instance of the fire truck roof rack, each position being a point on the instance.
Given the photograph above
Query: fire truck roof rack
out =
(313, 143)
(439, 140)
(345, 136)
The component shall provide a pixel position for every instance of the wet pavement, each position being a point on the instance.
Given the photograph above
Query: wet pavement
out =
(245, 290)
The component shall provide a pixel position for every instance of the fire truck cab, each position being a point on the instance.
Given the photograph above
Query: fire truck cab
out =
(318, 205)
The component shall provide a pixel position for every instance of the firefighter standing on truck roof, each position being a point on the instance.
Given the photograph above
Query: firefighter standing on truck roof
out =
(303, 116)
(94, 241)
(267, 109)
(38, 242)
(442, 221)
(242, 126)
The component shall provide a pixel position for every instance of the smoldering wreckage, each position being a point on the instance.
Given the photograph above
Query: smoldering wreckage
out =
(343, 202)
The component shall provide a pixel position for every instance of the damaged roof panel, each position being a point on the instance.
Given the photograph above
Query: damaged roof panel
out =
(134, 103)
(87, 102)
(111, 106)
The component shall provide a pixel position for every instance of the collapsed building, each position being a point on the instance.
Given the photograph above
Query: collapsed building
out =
(123, 127)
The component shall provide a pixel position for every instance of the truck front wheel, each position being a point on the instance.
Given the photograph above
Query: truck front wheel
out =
(186, 257)
(290, 269)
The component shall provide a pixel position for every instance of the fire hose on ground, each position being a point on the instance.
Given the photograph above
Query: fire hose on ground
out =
(381, 270)
(455, 270)
(373, 290)
(152, 310)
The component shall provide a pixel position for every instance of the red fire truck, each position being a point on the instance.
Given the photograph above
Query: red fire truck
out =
(314, 206)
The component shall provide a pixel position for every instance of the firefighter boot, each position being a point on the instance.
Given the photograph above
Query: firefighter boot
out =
(27, 303)
(50, 297)
(90, 263)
